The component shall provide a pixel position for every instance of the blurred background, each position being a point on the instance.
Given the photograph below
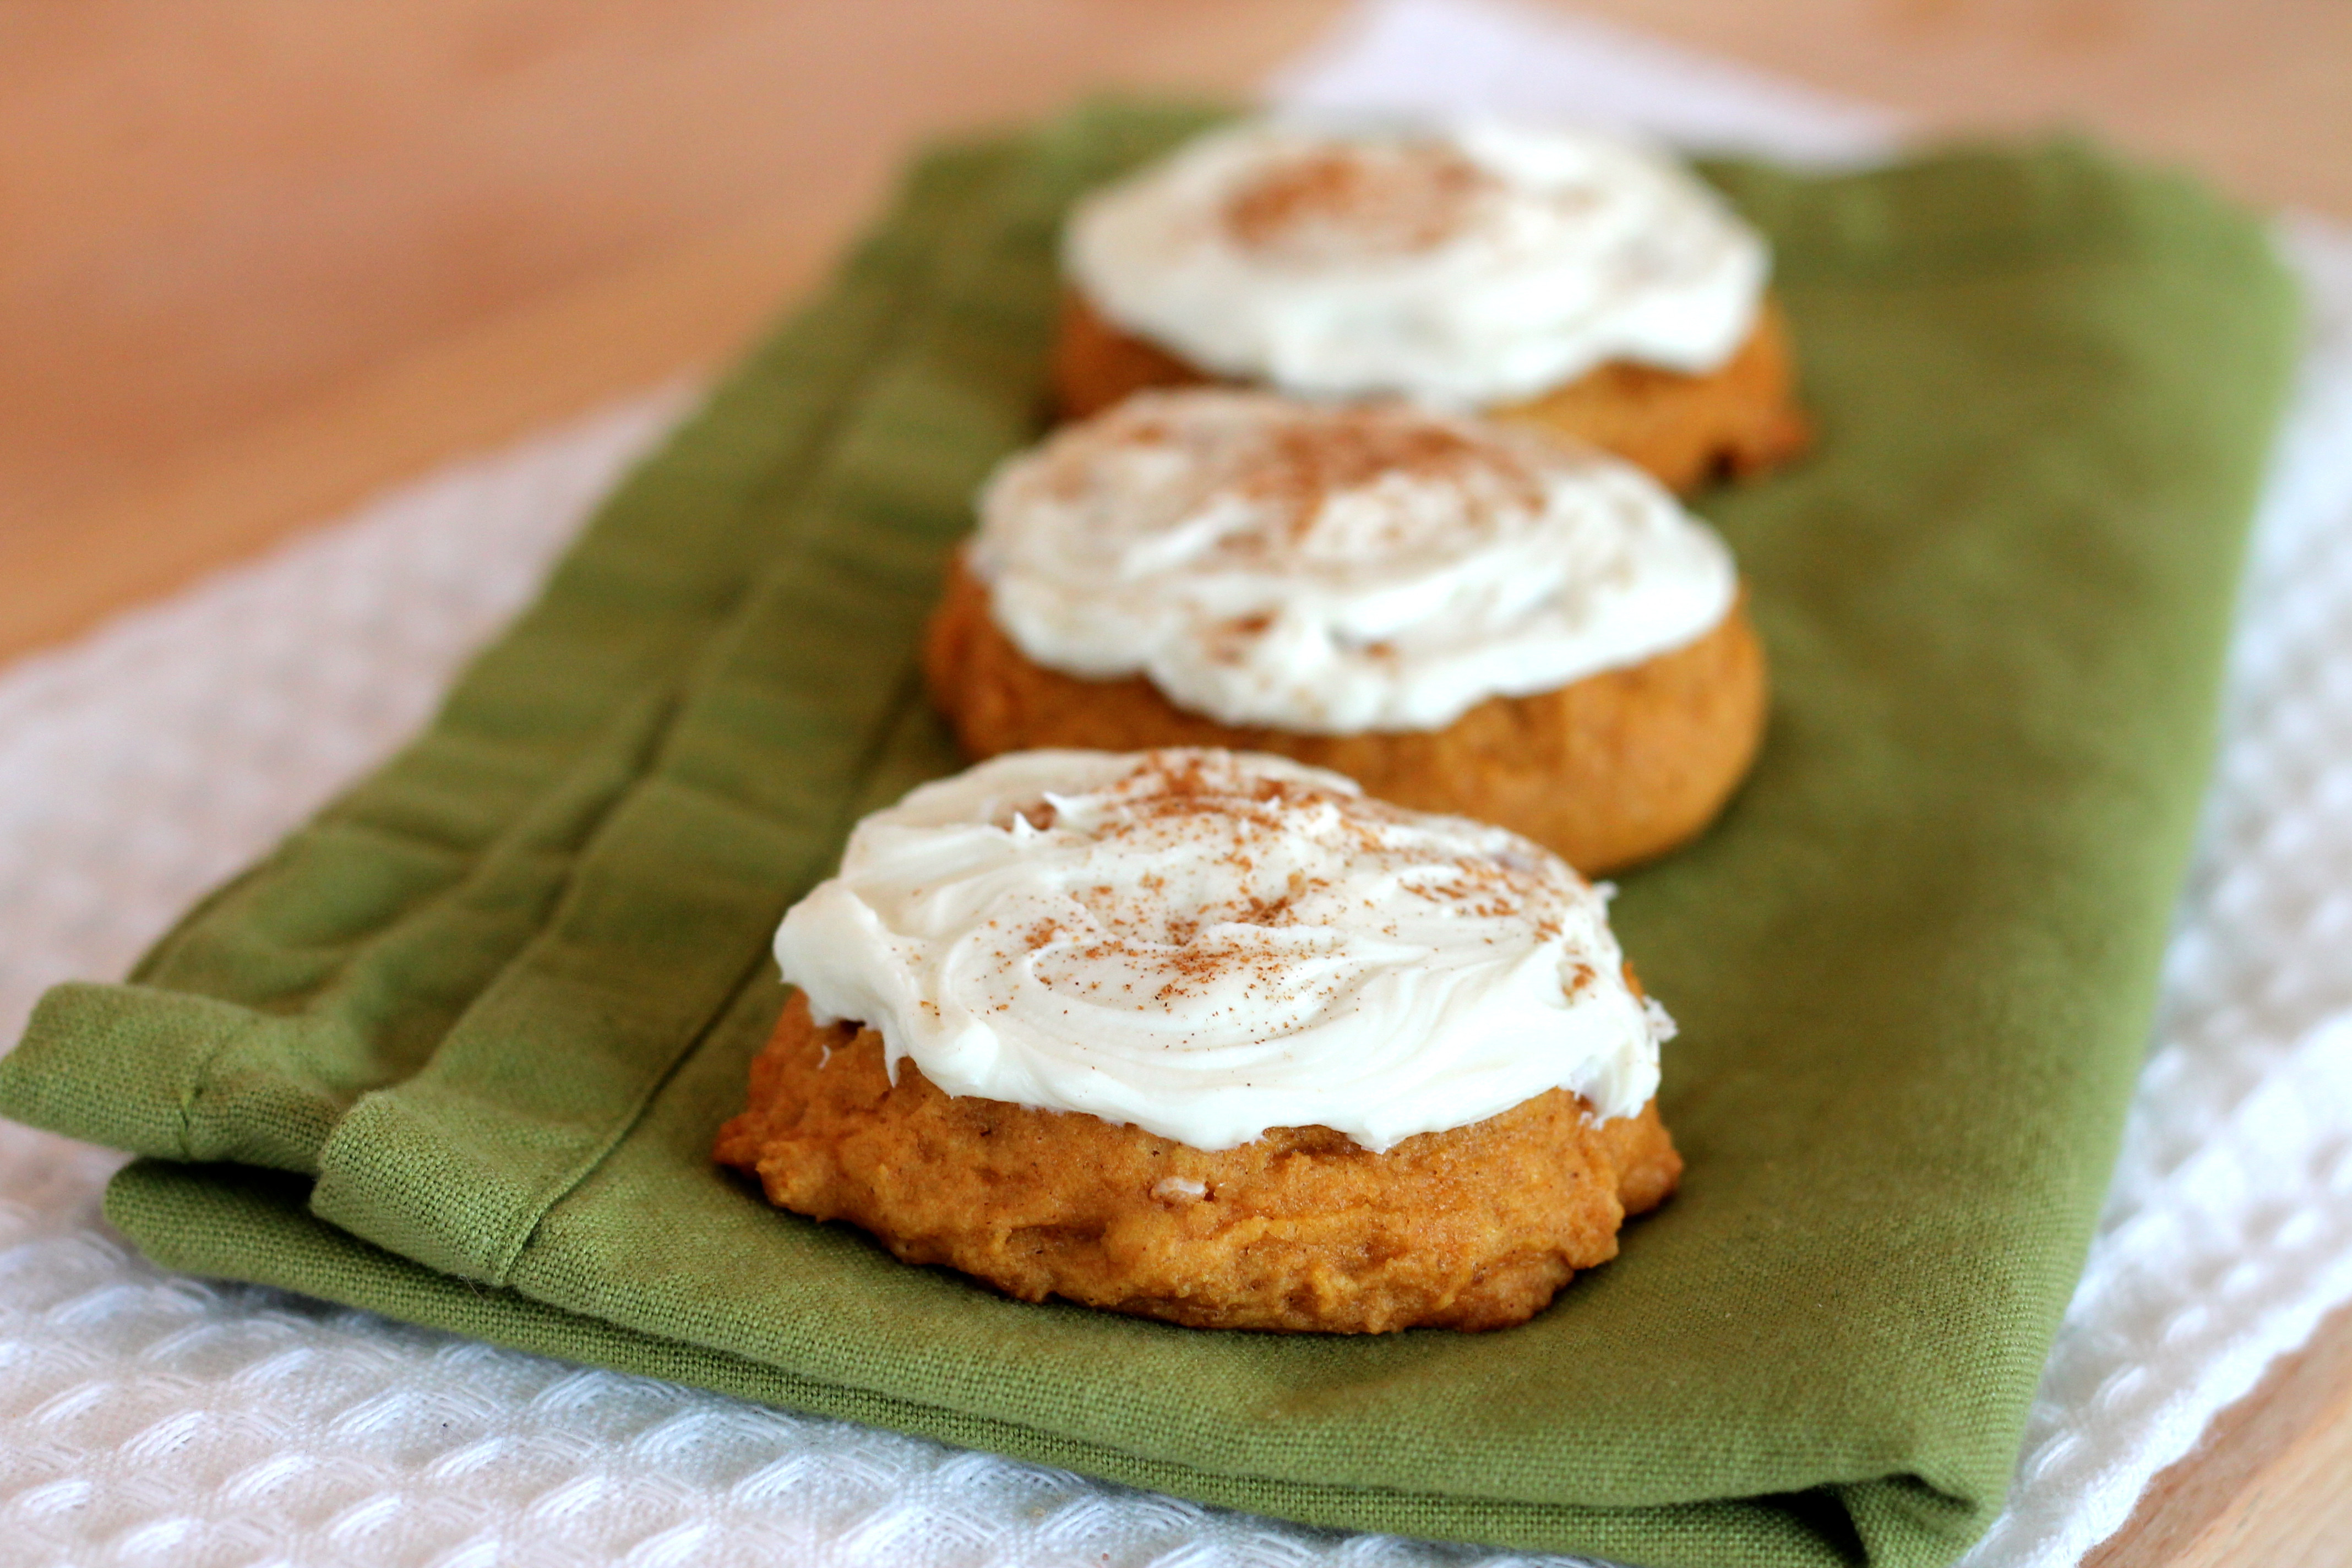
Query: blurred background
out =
(258, 258)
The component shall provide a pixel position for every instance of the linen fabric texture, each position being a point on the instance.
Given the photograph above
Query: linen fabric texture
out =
(456, 1051)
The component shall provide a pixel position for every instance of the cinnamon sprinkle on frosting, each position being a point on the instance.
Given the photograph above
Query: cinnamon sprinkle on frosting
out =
(1336, 569)
(1351, 201)
(1208, 943)
(1458, 265)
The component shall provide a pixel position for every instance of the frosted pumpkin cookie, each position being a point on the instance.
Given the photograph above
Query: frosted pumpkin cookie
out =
(1214, 1038)
(1462, 617)
(1563, 277)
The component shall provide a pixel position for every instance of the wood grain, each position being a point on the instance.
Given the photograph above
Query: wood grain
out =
(258, 258)
(2270, 1483)
(220, 224)
(2252, 93)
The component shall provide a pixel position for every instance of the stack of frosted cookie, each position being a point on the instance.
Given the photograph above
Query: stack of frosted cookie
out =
(1347, 623)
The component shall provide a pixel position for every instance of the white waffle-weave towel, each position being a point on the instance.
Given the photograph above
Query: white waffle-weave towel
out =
(146, 1417)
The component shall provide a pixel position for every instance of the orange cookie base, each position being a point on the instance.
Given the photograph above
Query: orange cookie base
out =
(1740, 419)
(1476, 1227)
(1609, 771)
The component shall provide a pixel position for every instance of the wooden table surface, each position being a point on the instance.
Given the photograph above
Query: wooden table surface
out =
(261, 258)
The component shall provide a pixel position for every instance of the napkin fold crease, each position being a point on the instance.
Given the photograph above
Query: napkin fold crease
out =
(456, 1051)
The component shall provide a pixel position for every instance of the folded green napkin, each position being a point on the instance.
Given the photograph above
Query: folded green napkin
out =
(457, 1050)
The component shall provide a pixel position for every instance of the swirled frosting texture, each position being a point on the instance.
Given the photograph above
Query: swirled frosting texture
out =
(1334, 570)
(1463, 267)
(1208, 943)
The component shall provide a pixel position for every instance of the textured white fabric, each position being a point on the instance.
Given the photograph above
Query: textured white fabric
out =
(146, 1417)
(1467, 57)
(2228, 1231)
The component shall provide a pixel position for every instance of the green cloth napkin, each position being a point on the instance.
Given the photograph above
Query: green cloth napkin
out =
(457, 1050)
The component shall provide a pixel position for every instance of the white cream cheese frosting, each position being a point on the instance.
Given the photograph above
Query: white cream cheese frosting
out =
(1334, 570)
(1207, 943)
(1460, 267)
